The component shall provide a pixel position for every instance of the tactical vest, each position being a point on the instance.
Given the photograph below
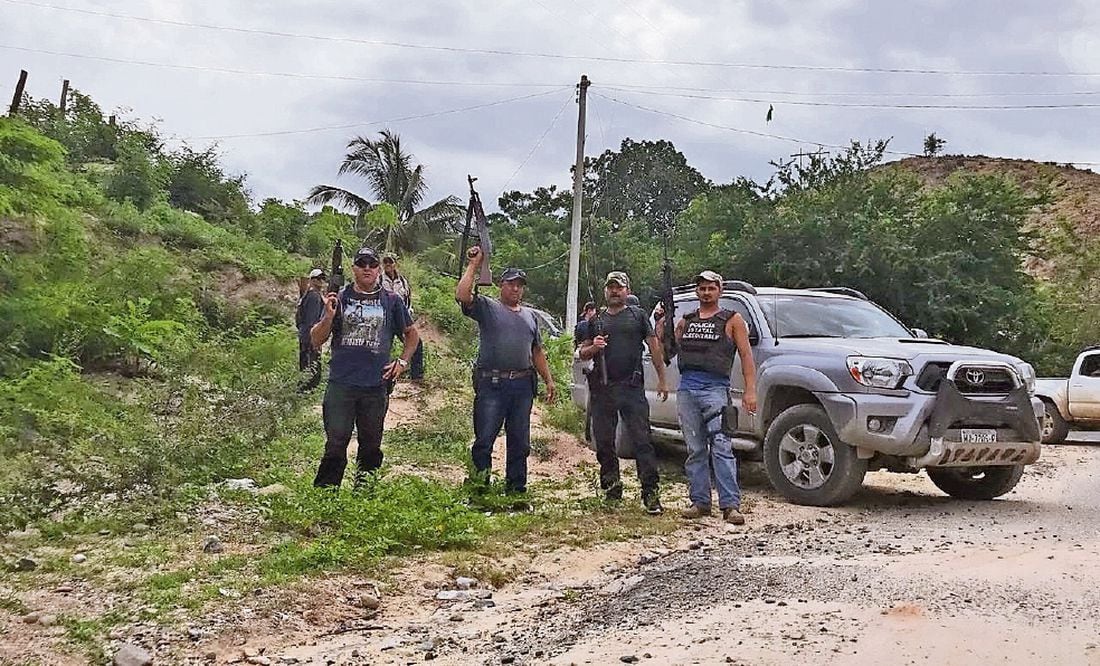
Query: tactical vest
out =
(704, 344)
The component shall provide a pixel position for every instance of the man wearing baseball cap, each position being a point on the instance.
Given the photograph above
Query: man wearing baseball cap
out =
(709, 340)
(362, 319)
(310, 307)
(509, 352)
(618, 333)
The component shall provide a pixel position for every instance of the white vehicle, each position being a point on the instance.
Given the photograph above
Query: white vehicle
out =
(1074, 401)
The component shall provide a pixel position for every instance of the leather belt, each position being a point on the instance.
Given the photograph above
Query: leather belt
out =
(504, 374)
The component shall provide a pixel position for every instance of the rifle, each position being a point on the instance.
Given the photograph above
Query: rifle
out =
(599, 358)
(668, 335)
(336, 275)
(476, 213)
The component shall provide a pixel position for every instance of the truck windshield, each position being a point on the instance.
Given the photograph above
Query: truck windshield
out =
(820, 316)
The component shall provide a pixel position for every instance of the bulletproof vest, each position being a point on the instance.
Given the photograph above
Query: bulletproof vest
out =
(704, 344)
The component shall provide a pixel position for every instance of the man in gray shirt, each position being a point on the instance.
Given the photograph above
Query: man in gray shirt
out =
(508, 355)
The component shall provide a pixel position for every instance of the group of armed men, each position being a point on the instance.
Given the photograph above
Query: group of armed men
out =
(362, 319)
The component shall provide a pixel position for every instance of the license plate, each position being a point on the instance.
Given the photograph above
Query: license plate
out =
(978, 436)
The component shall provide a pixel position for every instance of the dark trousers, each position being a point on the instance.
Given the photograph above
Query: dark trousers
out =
(345, 408)
(607, 404)
(507, 403)
(416, 363)
(309, 360)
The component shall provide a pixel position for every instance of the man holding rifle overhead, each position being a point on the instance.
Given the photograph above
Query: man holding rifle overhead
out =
(509, 354)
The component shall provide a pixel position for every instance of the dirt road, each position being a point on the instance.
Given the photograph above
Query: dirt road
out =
(904, 575)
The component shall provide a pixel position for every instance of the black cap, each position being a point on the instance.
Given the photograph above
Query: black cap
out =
(510, 274)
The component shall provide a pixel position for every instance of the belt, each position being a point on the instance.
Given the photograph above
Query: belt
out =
(504, 374)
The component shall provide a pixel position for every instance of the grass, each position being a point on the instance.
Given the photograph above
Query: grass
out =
(88, 633)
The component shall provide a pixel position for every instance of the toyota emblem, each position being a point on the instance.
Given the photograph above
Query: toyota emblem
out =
(975, 377)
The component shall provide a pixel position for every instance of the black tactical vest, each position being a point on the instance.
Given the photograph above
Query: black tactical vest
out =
(704, 344)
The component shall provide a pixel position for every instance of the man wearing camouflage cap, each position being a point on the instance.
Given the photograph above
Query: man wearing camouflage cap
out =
(618, 333)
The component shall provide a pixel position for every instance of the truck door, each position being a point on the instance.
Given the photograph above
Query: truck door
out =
(737, 381)
(1084, 387)
(664, 413)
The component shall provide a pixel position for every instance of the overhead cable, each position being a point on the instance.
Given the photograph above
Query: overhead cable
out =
(550, 55)
(420, 116)
(866, 105)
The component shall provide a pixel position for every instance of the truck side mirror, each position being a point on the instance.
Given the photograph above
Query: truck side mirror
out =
(919, 332)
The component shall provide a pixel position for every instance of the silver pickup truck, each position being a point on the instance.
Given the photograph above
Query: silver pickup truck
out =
(843, 387)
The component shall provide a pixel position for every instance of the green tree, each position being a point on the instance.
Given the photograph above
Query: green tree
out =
(391, 178)
(647, 181)
(282, 224)
(933, 145)
(196, 182)
(139, 174)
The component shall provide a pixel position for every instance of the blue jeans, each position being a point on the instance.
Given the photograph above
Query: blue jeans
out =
(700, 413)
(507, 403)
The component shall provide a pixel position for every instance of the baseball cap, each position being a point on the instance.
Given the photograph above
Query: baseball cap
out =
(365, 254)
(618, 277)
(708, 276)
(510, 274)
(317, 273)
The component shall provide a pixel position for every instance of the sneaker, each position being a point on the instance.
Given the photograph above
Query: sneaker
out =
(614, 493)
(695, 511)
(733, 516)
(652, 504)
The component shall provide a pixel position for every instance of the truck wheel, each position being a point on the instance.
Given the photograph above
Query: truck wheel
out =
(976, 483)
(805, 460)
(1055, 428)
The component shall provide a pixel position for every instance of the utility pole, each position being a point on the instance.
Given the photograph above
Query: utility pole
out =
(18, 96)
(575, 232)
(64, 97)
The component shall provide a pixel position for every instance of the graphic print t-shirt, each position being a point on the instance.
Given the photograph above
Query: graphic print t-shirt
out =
(362, 336)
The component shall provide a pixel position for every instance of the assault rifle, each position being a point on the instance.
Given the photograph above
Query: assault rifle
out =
(668, 335)
(600, 358)
(336, 275)
(475, 214)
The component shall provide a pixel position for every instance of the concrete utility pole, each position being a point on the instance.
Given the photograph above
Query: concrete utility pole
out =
(64, 103)
(18, 96)
(575, 233)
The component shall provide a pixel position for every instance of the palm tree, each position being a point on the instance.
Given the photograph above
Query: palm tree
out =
(391, 178)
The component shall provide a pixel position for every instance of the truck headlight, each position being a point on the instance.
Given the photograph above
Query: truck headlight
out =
(884, 373)
(1027, 375)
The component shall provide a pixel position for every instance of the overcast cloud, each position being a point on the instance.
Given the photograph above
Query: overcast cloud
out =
(493, 142)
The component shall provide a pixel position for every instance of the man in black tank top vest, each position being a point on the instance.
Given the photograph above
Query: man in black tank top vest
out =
(617, 333)
(709, 338)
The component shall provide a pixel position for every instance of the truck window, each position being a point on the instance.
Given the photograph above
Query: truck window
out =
(1090, 365)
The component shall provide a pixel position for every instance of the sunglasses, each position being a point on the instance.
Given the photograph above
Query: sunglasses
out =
(364, 262)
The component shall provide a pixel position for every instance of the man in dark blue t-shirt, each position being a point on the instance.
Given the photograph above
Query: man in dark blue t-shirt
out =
(362, 319)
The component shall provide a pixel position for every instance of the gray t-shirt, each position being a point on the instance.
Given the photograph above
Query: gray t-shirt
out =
(506, 336)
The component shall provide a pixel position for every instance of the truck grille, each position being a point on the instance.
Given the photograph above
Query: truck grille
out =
(977, 380)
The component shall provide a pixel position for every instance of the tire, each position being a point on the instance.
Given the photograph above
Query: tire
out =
(976, 483)
(805, 460)
(1054, 427)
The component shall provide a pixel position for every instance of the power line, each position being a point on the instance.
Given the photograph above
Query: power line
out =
(538, 143)
(868, 105)
(855, 93)
(779, 137)
(625, 87)
(738, 130)
(549, 55)
(294, 75)
(420, 116)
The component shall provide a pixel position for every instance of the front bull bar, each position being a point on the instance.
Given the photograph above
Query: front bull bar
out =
(1014, 411)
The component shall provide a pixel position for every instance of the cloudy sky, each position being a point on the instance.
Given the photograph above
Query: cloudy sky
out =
(282, 85)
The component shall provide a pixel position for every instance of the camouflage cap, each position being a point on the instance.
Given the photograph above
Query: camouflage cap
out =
(619, 278)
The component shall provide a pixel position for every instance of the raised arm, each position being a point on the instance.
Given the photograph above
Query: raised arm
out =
(464, 292)
(323, 328)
